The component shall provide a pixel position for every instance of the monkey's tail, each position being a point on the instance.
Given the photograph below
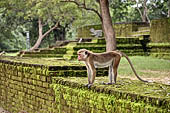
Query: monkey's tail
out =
(123, 54)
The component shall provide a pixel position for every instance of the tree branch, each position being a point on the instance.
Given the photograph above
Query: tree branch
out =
(83, 6)
(55, 26)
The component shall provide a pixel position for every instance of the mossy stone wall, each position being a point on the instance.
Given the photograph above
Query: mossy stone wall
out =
(160, 30)
(72, 97)
(121, 29)
(84, 32)
(25, 87)
(54, 52)
(36, 88)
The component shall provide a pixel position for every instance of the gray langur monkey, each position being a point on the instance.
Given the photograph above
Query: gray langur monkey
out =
(109, 59)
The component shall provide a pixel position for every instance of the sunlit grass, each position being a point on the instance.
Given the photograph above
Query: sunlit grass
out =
(145, 66)
(11, 54)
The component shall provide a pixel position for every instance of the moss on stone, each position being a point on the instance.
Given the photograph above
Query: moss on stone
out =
(121, 29)
(126, 85)
(160, 30)
(126, 95)
(41, 61)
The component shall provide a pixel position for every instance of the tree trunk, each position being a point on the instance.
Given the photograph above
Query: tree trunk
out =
(107, 26)
(168, 5)
(41, 35)
(144, 15)
(144, 11)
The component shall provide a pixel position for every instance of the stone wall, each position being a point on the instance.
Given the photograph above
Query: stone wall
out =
(25, 87)
(37, 88)
(73, 97)
(121, 29)
(160, 30)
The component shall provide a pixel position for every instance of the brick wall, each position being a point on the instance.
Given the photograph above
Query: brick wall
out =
(34, 89)
(25, 87)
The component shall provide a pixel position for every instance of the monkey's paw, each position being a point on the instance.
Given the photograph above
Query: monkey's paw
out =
(109, 83)
(88, 85)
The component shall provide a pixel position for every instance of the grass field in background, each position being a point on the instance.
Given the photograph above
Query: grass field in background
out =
(147, 67)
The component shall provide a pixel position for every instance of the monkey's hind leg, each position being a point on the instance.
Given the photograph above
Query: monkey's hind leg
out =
(111, 74)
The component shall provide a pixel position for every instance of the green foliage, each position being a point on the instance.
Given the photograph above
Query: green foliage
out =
(11, 39)
(26, 14)
(122, 11)
(22, 15)
(126, 10)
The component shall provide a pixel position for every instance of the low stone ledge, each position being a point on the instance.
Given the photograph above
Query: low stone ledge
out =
(125, 89)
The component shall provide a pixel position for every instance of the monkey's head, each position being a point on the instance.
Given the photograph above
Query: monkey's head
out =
(83, 54)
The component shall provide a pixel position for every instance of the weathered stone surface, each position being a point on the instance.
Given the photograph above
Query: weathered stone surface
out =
(25, 89)
(160, 30)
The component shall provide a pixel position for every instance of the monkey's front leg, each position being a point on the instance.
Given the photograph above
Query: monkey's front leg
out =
(91, 75)
(91, 78)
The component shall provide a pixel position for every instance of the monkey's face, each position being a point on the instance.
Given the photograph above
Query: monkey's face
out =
(82, 54)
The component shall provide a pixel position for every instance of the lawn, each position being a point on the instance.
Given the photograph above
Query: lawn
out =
(146, 67)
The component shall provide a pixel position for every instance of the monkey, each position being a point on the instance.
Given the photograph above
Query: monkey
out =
(109, 59)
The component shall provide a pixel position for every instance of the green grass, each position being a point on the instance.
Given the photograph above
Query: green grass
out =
(142, 62)
(148, 67)
(11, 54)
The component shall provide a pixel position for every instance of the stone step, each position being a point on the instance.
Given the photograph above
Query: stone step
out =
(78, 73)
(160, 55)
(126, 52)
(140, 33)
(126, 96)
(58, 50)
(39, 55)
(144, 28)
(122, 40)
(48, 51)
(70, 51)
(102, 47)
(159, 45)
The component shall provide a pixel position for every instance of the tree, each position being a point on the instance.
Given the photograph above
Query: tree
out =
(47, 13)
(107, 25)
(168, 5)
(152, 9)
(143, 10)
(51, 13)
(104, 16)
(11, 37)
(122, 11)
(41, 34)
